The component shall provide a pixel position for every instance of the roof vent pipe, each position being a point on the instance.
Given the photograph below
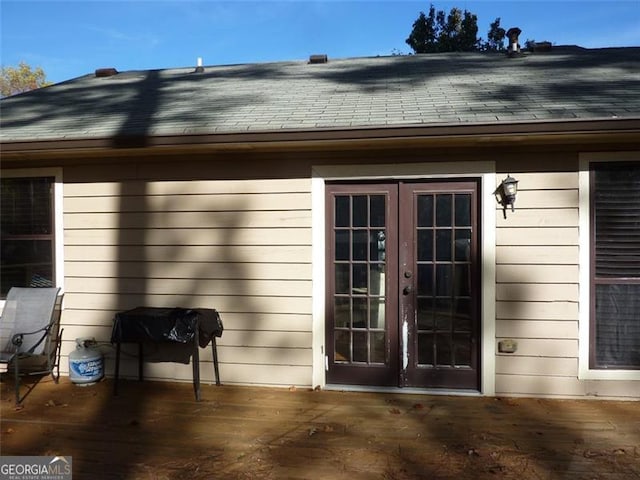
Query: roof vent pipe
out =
(199, 67)
(321, 58)
(105, 72)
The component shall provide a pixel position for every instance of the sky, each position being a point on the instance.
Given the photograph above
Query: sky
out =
(72, 38)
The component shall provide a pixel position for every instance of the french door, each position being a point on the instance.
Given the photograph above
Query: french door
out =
(403, 284)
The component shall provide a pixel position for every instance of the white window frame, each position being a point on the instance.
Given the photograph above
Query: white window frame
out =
(584, 207)
(486, 171)
(58, 197)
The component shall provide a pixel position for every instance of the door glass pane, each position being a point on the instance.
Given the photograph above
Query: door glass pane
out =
(378, 347)
(360, 313)
(462, 347)
(425, 279)
(443, 210)
(462, 314)
(463, 245)
(463, 280)
(376, 280)
(359, 279)
(443, 350)
(342, 312)
(360, 244)
(443, 245)
(342, 346)
(425, 313)
(377, 244)
(377, 319)
(444, 279)
(342, 277)
(342, 211)
(342, 245)
(463, 210)
(377, 210)
(425, 245)
(425, 349)
(425, 210)
(360, 209)
(360, 346)
(443, 313)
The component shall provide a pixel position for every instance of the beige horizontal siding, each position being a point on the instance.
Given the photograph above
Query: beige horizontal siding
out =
(240, 246)
(545, 347)
(183, 286)
(195, 187)
(544, 181)
(537, 217)
(539, 385)
(189, 220)
(256, 322)
(536, 310)
(562, 329)
(537, 292)
(230, 373)
(188, 203)
(230, 338)
(196, 236)
(549, 199)
(265, 355)
(530, 366)
(239, 303)
(537, 273)
(562, 386)
(175, 269)
(538, 255)
(537, 287)
(549, 236)
(190, 253)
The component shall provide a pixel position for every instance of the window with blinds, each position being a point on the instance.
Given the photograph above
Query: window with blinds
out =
(27, 233)
(615, 271)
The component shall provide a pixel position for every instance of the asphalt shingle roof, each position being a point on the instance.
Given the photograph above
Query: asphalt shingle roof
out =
(459, 88)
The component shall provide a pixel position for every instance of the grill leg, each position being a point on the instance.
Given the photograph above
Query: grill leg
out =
(214, 349)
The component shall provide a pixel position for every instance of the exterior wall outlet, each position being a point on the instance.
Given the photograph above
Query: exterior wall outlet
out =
(507, 346)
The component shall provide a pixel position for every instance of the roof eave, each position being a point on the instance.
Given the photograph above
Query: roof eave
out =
(603, 130)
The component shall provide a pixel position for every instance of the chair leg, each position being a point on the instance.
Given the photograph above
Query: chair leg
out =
(16, 378)
(56, 359)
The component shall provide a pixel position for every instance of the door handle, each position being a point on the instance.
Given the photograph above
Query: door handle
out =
(407, 290)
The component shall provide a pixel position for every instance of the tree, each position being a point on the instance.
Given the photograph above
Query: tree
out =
(14, 80)
(423, 37)
(438, 32)
(495, 37)
(468, 35)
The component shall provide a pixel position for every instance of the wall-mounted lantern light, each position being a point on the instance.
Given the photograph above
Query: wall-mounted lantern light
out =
(506, 193)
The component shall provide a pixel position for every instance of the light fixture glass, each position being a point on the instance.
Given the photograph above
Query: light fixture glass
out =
(506, 193)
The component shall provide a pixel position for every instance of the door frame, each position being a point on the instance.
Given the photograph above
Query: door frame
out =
(483, 170)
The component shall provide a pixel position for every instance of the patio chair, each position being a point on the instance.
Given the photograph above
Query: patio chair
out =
(29, 336)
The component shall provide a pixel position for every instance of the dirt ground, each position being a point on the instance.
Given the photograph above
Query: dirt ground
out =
(155, 430)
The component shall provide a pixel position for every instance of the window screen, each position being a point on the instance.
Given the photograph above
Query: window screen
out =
(615, 323)
(27, 233)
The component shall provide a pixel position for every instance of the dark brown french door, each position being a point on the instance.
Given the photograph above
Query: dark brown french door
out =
(403, 284)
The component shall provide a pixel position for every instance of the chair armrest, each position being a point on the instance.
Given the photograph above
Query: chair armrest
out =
(18, 338)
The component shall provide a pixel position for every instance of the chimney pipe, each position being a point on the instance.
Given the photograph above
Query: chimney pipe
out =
(514, 46)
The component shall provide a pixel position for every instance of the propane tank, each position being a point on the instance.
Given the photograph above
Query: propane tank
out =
(86, 365)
